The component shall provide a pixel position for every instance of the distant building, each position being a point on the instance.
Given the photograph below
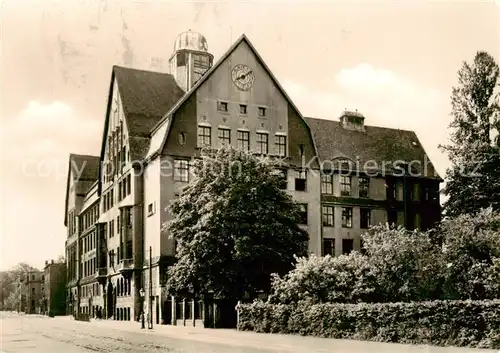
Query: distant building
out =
(53, 300)
(30, 292)
(346, 175)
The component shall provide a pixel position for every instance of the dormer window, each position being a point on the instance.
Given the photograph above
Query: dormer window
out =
(352, 120)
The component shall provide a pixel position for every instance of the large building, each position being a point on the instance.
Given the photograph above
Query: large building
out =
(345, 174)
(30, 292)
(54, 289)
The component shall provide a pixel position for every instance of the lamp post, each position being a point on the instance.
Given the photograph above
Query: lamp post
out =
(142, 293)
(150, 289)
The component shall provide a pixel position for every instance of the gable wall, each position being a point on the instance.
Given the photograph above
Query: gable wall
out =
(116, 114)
(264, 93)
(184, 121)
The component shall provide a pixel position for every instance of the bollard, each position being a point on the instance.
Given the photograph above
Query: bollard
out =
(237, 308)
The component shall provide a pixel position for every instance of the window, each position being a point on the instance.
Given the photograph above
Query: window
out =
(204, 136)
(399, 191)
(244, 140)
(425, 192)
(391, 189)
(328, 247)
(303, 213)
(118, 228)
(300, 180)
(181, 59)
(364, 186)
(224, 137)
(181, 170)
(416, 192)
(200, 61)
(151, 209)
(111, 257)
(243, 109)
(301, 150)
(262, 143)
(347, 217)
(328, 219)
(129, 180)
(417, 221)
(182, 138)
(120, 188)
(365, 218)
(33, 290)
(262, 111)
(282, 175)
(124, 186)
(280, 145)
(392, 217)
(326, 183)
(347, 246)
(345, 185)
(222, 106)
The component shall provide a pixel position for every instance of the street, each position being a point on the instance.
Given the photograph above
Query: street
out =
(32, 333)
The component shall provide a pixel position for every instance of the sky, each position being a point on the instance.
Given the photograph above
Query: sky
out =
(394, 61)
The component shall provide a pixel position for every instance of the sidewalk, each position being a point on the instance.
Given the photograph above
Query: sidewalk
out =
(276, 342)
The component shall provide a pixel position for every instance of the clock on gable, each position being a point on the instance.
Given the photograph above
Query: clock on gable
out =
(243, 77)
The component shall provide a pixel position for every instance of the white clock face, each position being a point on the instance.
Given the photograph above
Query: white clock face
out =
(243, 77)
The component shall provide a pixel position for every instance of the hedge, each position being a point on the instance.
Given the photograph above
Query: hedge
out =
(440, 323)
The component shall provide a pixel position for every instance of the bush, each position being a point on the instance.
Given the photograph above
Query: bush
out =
(407, 264)
(442, 323)
(471, 251)
(341, 279)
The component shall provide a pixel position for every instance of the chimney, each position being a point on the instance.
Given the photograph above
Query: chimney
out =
(51, 262)
(352, 120)
(46, 262)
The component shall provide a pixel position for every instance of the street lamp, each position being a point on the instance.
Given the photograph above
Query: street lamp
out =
(142, 294)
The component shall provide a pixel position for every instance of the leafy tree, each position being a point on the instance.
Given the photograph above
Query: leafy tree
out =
(9, 285)
(407, 264)
(473, 180)
(343, 279)
(233, 227)
(471, 248)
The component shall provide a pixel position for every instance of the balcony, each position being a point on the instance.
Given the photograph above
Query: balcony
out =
(126, 267)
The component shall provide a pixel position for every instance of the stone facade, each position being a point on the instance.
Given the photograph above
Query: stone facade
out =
(155, 123)
(30, 285)
(54, 288)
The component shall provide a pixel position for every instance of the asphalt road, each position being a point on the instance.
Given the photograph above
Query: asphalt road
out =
(29, 333)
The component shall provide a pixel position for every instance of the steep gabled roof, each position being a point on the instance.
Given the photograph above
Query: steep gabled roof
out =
(377, 144)
(145, 97)
(206, 75)
(83, 169)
